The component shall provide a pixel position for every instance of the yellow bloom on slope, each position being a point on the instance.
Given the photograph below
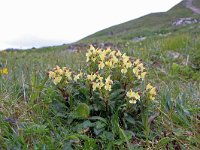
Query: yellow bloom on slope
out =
(112, 53)
(143, 75)
(58, 70)
(108, 80)
(5, 71)
(153, 91)
(99, 78)
(114, 59)
(108, 50)
(135, 70)
(130, 94)
(118, 54)
(68, 74)
(95, 85)
(124, 70)
(108, 83)
(78, 76)
(102, 55)
(92, 48)
(101, 84)
(88, 55)
(137, 62)
(109, 64)
(141, 67)
(149, 86)
(133, 96)
(52, 74)
(57, 80)
(108, 87)
(101, 65)
(128, 64)
(125, 58)
(91, 77)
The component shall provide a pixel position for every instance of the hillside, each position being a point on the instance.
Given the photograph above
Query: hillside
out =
(150, 24)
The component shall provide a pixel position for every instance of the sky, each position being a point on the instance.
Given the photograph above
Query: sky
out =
(37, 23)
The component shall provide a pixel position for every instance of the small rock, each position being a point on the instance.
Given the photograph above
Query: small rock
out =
(174, 55)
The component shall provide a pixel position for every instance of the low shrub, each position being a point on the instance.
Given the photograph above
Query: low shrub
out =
(108, 99)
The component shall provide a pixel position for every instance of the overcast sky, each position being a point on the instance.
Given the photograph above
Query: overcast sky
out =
(37, 23)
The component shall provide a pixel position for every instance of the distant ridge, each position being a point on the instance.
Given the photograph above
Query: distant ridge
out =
(149, 24)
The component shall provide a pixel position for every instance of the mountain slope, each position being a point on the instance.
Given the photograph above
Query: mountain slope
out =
(149, 24)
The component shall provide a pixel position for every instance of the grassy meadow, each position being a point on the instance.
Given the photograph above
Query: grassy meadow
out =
(33, 111)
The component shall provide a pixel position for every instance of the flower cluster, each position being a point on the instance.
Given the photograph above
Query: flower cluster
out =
(4, 71)
(98, 83)
(58, 74)
(105, 64)
(114, 59)
(151, 91)
(133, 96)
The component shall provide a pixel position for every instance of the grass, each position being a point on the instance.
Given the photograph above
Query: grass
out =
(32, 110)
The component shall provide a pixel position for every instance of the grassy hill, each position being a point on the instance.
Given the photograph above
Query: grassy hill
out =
(148, 25)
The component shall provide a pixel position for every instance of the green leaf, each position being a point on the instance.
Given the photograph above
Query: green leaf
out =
(98, 118)
(81, 111)
(117, 94)
(130, 119)
(163, 142)
(87, 124)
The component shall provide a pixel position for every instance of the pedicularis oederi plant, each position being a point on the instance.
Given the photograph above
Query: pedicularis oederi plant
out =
(109, 94)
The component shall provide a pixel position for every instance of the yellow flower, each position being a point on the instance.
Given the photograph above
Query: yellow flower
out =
(137, 96)
(152, 97)
(88, 55)
(133, 96)
(149, 86)
(137, 62)
(92, 48)
(68, 74)
(58, 70)
(108, 80)
(153, 91)
(135, 70)
(101, 65)
(132, 101)
(108, 83)
(143, 75)
(118, 54)
(125, 58)
(114, 60)
(141, 67)
(99, 78)
(52, 74)
(57, 80)
(112, 53)
(95, 85)
(91, 77)
(101, 84)
(108, 50)
(124, 70)
(78, 76)
(108, 87)
(102, 55)
(130, 94)
(128, 64)
(5, 71)
(94, 58)
(109, 64)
